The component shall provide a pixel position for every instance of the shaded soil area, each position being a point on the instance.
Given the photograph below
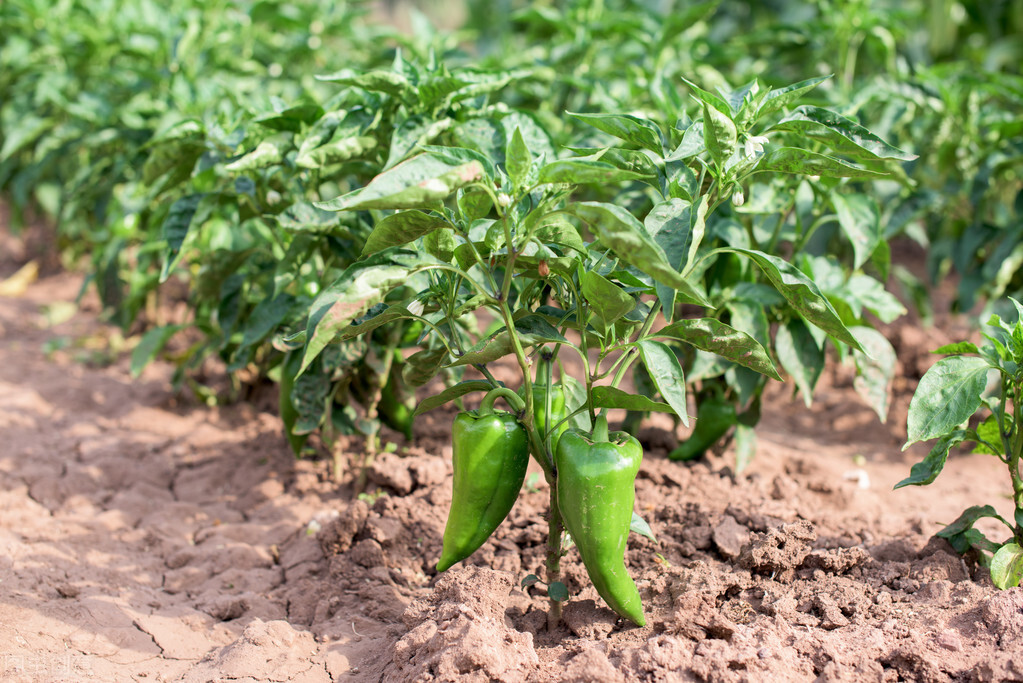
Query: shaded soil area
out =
(146, 538)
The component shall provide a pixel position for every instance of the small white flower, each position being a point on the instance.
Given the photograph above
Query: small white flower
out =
(504, 199)
(755, 144)
(416, 307)
(738, 199)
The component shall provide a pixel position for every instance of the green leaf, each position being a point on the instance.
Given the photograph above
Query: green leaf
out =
(175, 229)
(360, 287)
(801, 293)
(517, 159)
(529, 580)
(640, 132)
(531, 330)
(928, 469)
(860, 219)
(640, 526)
(420, 182)
(666, 372)
(360, 327)
(609, 301)
(581, 171)
(451, 393)
(401, 228)
(677, 228)
(152, 343)
(304, 217)
(612, 397)
(265, 318)
(805, 162)
(956, 532)
(336, 152)
(387, 82)
(267, 153)
(989, 431)
(716, 337)
(843, 135)
(800, 355)
(719, 134)
(957, 348)
(623, 234)
(948, 395)
(875, 369)
(557, 592)
(778, 99)
(708, 98)
(1007, 566)
(422, 366)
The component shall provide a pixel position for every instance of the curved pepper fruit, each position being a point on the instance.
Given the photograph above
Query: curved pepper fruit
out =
(714, 417)
(490, 452)
(289, 414)
(596, 492)
(558, 413)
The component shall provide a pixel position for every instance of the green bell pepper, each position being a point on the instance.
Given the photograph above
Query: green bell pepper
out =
(490, 452)
(714, 417)
(596, 492)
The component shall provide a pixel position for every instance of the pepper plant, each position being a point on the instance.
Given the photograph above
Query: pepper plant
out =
(565, 280)
(972, 379)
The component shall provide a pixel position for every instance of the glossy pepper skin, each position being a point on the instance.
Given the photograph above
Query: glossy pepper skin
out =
(714, 417)
(558, 413)
(490, 452)
(596, 492)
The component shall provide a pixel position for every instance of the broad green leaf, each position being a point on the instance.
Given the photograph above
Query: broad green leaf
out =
(360, 327)
(640, 526)
(948, 395)
(860, 219)
(778, 99)
(175, 229)
(640, 132)
(267, 153)
(517, 159)
(843, 135)
(309, 398)
(989, 431)
(666, 372)
(401, 228)
(1007, 566)
(582, 171)
(708, 98)
(152, 343)
(451, 393)
(677, 227)
(422, 366)
(378, 81)
(623, 234)
(611, 397)
(800, 355)
(801, 293)
(293, 118)
(336, 152)
(719, 134)
(956, 532)
(716, 337)
(928, 469)
(875, 369)
(805, 162)
(609, 301)
(531, 330)
(420, 182)
(360, 287)
(265, 318)
(558, 231)
(304, 217)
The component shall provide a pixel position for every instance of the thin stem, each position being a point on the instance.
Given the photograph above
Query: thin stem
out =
(555, 528)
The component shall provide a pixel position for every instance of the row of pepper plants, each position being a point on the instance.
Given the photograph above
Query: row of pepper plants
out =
(342, 234)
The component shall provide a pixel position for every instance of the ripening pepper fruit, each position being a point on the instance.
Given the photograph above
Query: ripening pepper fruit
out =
(714, 417)
(596, 492)
(289, 414)
(490, 452)
(558, 413)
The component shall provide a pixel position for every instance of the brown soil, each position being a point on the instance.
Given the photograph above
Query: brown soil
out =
(145, 538)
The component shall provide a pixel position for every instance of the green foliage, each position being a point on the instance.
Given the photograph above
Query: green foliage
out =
(949, 395)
